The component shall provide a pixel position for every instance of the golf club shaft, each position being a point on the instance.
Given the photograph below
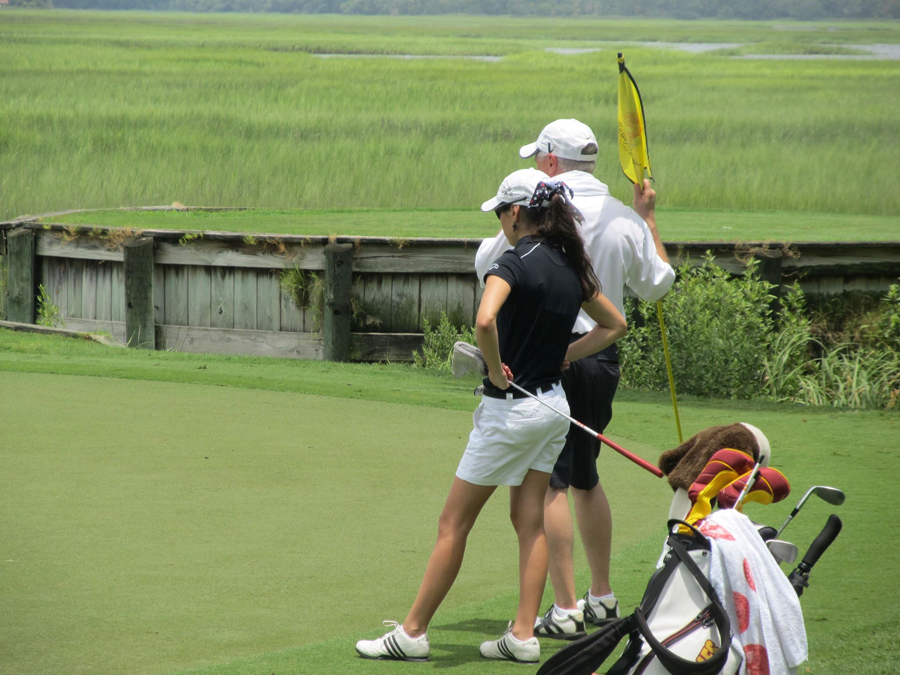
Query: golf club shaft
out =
(785, 524)
(750, 481)
(618, 448)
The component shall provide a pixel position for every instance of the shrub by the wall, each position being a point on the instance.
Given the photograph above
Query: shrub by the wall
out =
(717, 328)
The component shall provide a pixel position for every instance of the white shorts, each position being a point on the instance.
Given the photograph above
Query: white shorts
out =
(513, 435)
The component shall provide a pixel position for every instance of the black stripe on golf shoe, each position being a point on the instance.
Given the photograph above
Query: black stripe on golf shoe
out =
(505, 650)
(396, 645)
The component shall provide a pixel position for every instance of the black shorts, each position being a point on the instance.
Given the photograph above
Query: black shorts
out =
(590, 386)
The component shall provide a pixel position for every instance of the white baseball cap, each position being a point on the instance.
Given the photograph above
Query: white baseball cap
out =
(564, 138)
(517, 188)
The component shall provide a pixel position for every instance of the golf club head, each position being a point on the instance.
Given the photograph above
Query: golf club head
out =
(829, 494)
(782, 551)
(466, 358)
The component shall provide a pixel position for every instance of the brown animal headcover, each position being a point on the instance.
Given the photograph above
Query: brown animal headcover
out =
(683, 464)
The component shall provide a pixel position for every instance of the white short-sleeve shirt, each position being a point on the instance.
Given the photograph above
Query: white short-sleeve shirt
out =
(617, 240)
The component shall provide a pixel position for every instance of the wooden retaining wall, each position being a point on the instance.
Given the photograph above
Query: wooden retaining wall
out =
(219, 292)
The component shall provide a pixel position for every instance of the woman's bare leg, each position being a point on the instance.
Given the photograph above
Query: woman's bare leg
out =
(526, 510)
(463, 505)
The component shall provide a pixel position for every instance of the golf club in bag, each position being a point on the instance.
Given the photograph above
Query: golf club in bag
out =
(681, 626)
(831, 495)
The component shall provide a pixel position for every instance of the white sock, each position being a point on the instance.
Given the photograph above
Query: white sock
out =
(517, 640)
(608, 599)
(408, 636)
(561, 613)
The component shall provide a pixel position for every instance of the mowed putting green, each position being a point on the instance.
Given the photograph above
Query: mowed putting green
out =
(167, 527)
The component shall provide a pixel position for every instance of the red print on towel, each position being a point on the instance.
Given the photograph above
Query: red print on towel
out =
(757, 660)
(715, 531)
(742, 609)
(748, 575)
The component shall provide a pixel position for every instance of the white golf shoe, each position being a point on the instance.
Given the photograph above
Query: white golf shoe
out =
(598, 613)
(565, 624)
(395, 646)
(509, 648)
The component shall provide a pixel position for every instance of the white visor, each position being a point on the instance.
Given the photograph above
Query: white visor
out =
(517, 188)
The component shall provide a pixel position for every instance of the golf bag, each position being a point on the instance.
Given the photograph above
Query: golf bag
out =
(680, 627)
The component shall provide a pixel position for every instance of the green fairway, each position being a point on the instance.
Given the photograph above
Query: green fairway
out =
(676, 224)
(154, 525)
(128, 109)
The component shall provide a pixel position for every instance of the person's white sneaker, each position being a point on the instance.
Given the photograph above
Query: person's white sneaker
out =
(569, 626)
(599, 613)
(508, 648)
(395, 646)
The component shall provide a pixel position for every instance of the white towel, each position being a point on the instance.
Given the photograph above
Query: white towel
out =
(763, 607)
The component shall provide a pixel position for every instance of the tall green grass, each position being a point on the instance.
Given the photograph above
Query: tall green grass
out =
(125, 109)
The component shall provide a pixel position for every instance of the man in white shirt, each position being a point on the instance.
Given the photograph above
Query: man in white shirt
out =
(626, 250)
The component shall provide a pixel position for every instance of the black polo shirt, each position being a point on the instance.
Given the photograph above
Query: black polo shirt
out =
(535, 323)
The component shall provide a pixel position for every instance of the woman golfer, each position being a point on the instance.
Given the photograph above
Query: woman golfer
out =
(532, 296)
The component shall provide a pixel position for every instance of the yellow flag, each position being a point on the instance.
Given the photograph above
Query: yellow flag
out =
(633, 153)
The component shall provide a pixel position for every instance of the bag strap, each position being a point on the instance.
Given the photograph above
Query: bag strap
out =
(653, 592)
(661, 576)
(671, 661)
(585, 655)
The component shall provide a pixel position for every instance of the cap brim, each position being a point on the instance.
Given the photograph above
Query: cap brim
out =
(529, 150)
(491, 204)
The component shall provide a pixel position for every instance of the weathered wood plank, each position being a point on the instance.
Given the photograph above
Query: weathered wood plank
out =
(89, 290)
(359, 320)
(139, 310)
(53, 281)
(199, 296)
(432, 299)
(461, 299)
(405, 303)
(114, 328)
(245, 299)
(336, 319)
(104, 291)
(176, 295)
(414, 259)
(117, 301)
(241, 254)
(159, 294)
(21, 276)
(42, 268)
(3, 274)
(378, 300)
(394, 347)
(237, 341)
(268, 301)
(74, 281)
(291, 315)
(86, 247)
(222, 297)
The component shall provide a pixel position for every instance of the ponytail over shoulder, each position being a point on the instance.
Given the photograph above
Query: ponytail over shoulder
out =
(557, 225)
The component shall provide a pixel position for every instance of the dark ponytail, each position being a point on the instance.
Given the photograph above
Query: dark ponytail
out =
(557, 225)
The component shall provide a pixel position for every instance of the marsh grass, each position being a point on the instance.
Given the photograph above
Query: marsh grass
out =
(110, 109)
(790, 48)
